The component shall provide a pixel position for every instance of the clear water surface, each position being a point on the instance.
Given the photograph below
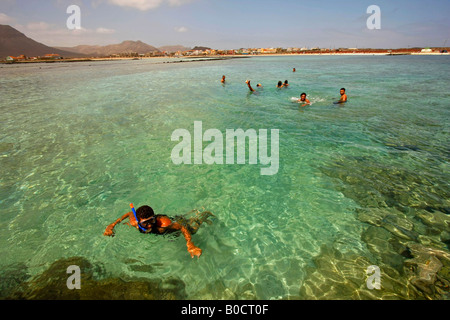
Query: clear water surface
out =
(79, 142)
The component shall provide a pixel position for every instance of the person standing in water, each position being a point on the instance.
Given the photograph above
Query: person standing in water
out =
(223, 79)
(343, 96)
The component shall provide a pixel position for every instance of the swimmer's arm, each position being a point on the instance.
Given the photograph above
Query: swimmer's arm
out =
(110, 229)
(249, 86)
(192, 249)
(307, 103)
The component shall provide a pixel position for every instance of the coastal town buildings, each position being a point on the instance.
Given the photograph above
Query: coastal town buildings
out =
(203, 51)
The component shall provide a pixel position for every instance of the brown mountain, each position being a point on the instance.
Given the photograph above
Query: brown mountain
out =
(201, 48)
(174, 48)
(15, 43)
(124, 47)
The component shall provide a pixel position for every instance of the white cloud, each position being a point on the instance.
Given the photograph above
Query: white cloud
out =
(38, 26)
(4, 19)
(179, 2)
(52, 35)
(142, 5)
(145, 5)
(105, 31)
(181, 29)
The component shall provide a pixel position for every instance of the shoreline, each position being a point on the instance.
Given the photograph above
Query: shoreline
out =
(228, 57)
(178, 59)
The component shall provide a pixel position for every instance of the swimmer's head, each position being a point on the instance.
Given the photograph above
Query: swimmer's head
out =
(286, 82)
(342, 90)
(303, 96)
(280, 83)
(146, 216)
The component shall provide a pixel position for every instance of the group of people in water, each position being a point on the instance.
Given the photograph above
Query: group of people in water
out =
(145, 220)
(302, 98)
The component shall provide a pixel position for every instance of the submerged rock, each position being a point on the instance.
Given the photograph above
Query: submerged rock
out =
(52, 285)
(12, 278)
(408, 213)
(404, 147)
(6, 147)
(343, 276)
(425, 269)
(382, 244)
(374, 184)
(390, 219)
(435, 219)
(445, 238)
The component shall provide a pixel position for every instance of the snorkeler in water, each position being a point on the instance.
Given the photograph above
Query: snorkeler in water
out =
(145, 220)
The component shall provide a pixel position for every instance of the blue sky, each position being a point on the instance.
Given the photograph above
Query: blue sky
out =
(223, 24)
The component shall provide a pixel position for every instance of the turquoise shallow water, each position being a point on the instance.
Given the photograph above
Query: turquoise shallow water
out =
(79, 142)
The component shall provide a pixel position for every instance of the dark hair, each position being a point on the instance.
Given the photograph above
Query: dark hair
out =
(343, 89)
(303, 94)
(285, 81)
(280, 83)
(144, 212)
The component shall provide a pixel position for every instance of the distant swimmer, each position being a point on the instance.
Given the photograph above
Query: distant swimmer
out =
(249, 86)
(293, 70)
(145, 220)
(303, 99)
(286, 83)
(343, 98)
(280, 84)
(223, 79)
(259, 85)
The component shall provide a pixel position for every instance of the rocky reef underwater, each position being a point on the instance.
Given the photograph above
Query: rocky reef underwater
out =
(407, 218)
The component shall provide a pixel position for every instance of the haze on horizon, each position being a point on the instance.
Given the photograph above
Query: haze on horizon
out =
(233, 24)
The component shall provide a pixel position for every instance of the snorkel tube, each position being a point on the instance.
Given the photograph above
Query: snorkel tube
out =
(135, 216)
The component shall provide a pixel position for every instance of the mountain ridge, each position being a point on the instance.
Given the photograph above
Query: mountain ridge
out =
(15, 43)
(124, 47)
